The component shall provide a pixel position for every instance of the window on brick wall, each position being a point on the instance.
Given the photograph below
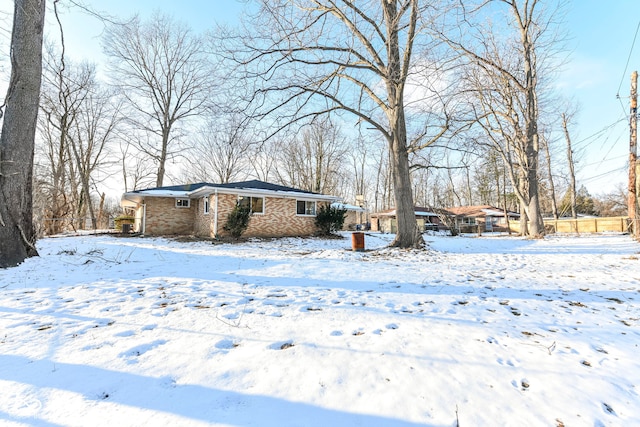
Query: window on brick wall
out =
(255, 203)
(183, 203)
(205, 204)
(305, 207)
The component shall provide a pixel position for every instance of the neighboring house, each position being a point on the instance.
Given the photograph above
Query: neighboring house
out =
(472, 219)
(466, 219)
(386, 222)
(355, 216)
(202, 209)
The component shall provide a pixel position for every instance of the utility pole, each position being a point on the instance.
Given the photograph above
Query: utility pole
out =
(572, 171)
(632, 202)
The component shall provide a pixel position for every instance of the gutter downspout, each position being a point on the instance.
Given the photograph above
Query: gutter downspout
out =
(144, 217)
(215, 216)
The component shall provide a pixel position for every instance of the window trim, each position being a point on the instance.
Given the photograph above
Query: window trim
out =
(205, 205)
(241, 197)
(315, 208)
(182, 199)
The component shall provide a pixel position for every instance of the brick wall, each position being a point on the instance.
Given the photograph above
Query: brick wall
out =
(163, 217)
(279, 218)
(203, 225)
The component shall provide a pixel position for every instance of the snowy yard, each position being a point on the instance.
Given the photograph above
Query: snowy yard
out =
(490, 331)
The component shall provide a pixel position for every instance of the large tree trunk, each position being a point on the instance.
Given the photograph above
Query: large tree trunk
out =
(17, 233)
(407, 235)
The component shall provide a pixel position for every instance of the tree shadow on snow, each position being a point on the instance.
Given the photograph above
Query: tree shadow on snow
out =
(164, 396)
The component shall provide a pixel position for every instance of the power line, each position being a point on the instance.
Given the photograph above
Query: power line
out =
(591, 178)
(599, 162)
(628, 59)
(601, 131)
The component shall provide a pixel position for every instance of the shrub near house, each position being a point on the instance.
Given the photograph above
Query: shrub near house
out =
(329, 219)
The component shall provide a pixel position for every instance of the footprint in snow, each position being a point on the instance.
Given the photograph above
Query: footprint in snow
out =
(507, 362)
(283, 345)
(336, 334)
(226, 344)
(523, 384)
(139, 350)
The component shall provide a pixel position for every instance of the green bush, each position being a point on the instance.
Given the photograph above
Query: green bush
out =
(238, 220)
(329, 219)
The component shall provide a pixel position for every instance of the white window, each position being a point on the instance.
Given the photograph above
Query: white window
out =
(255, 203)
(205, 204)
(183, 203)
(305, 207)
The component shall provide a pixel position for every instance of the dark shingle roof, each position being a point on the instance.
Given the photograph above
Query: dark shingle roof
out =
(261, 185)
(253, 184)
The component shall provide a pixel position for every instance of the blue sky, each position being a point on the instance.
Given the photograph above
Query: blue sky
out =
(601, 35)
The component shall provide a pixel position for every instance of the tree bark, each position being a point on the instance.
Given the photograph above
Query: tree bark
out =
(552, 187)
(17, 233)
(407, 234)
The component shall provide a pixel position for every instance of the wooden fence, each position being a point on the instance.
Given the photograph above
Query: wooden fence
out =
(619, 224)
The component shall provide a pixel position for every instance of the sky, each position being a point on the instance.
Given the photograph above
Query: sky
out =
(601, 36)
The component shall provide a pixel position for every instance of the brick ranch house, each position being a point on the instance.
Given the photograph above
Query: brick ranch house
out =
(471, 219)
(467, 219)
(202, 209)
(385, 221)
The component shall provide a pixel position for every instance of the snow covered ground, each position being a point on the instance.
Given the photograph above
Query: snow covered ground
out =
(490, 331)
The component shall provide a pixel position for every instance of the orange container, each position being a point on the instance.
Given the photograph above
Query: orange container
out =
(357, 241)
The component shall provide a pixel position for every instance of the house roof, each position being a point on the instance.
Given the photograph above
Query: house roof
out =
(467, 211)
(202, 189)
(252, 184)
(348, 207)
(479, 211)
(419, 211)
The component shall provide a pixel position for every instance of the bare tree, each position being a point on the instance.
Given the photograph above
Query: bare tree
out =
(315, 160)
(136, 170)
(613, 203)
(264, 159)
(506, 75)
(572, 173)
(160, 68)
(319, 56)
(221, 151)
(64, 90)
(93, 131)
(17, 233)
